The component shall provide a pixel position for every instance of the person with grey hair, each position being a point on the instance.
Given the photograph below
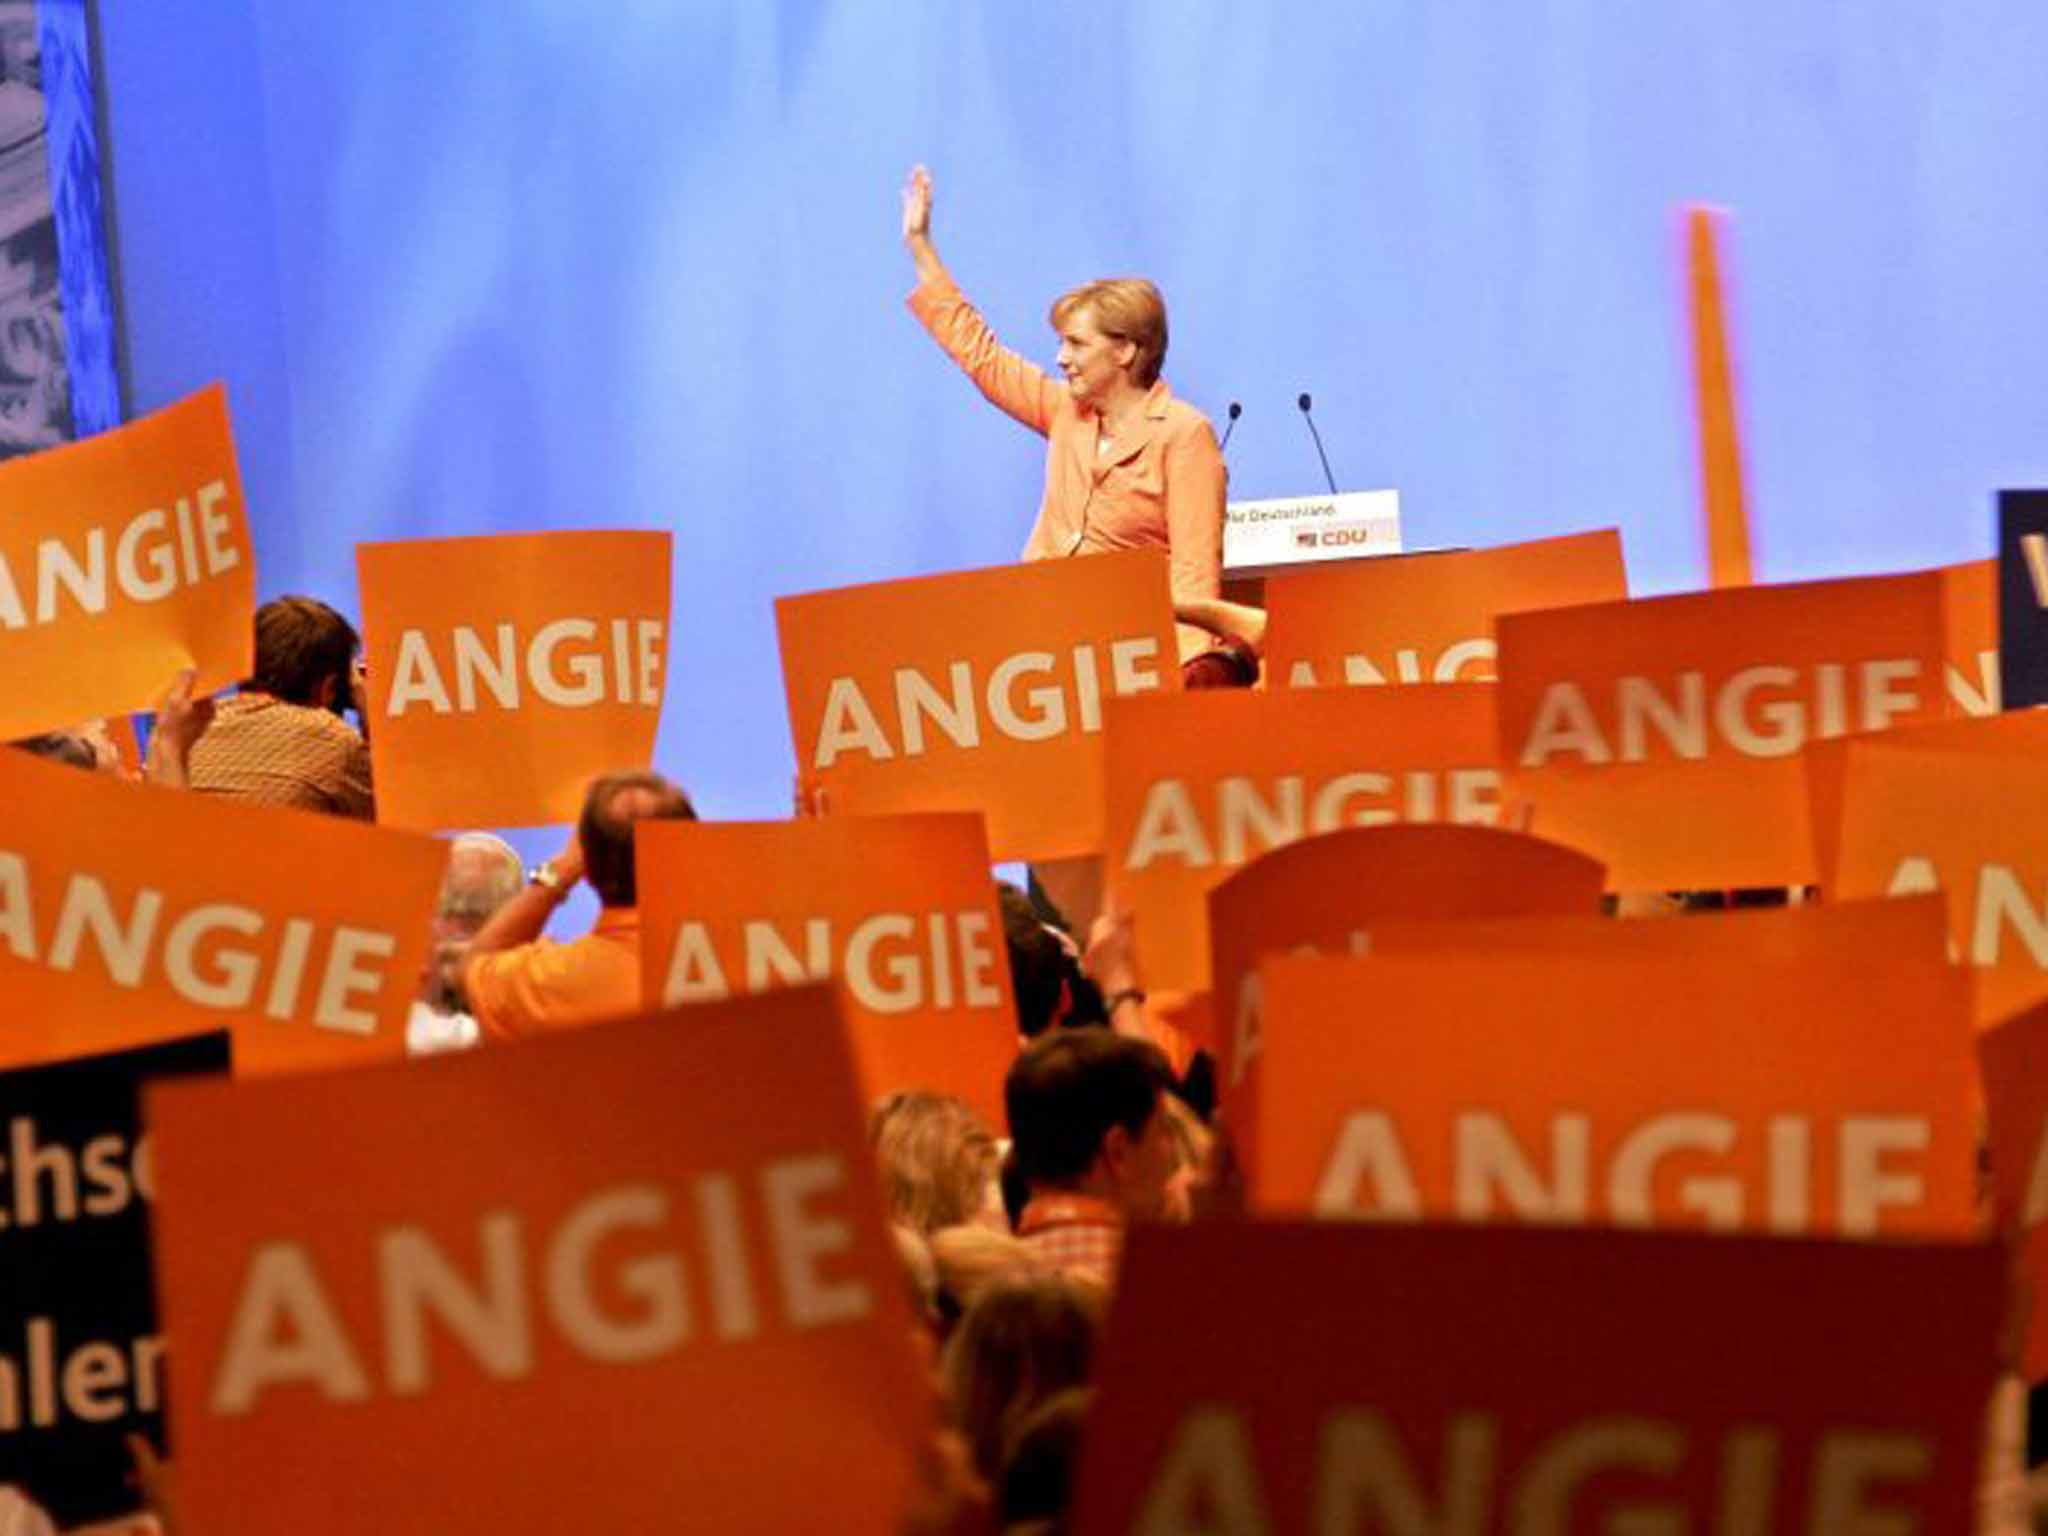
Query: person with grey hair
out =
(70, 748)
(483, 873)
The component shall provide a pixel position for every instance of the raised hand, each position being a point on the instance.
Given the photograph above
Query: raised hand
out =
(180, 721)
(917, 205)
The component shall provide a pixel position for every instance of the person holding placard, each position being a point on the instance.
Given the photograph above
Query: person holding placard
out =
(1127, 466)
(517, 982)
(284, 739)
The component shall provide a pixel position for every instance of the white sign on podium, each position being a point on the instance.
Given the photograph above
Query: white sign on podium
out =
(1259, 536)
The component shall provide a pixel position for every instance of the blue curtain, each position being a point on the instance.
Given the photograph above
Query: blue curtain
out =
(515, 264)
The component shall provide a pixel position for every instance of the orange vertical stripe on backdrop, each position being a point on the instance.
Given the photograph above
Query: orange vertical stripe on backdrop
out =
(1713, 372)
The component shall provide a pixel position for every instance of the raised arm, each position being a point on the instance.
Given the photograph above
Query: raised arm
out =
(180, 721)
(917, 226)
(1020, 388)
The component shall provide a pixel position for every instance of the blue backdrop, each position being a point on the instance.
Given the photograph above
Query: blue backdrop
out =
(517, 264)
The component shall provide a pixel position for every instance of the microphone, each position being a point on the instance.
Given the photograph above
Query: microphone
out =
(1303, 402)
(1235, 411)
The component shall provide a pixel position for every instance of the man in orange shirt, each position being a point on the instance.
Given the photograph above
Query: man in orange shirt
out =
(1094, 1144)
(518, 983)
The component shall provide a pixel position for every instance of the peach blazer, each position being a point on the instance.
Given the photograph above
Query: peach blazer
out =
(1163, 484)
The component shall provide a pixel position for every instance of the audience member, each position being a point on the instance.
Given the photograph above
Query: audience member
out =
(971, 1260)
(68, 748)
(1019, 1344)
(2005, 1501)
(1188, 1191)
(1041, 1460)
(1094, 1144)
(282, 738)
(1046, 974)
(158, 1482)
(938, 1163)
(946, 1498)
(483, 874)
(517, 983)
(1231, 664)
(1111, 961)
(1239, 624)
(1040, 962)
(106, 753)
(180, 721)
(21, 1515)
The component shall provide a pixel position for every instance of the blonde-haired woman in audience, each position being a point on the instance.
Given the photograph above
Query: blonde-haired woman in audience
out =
(938, 1162)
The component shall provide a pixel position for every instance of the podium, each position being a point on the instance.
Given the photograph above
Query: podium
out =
(1267, 538)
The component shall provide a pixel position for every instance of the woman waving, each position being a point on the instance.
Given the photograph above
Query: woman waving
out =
(1127, 466)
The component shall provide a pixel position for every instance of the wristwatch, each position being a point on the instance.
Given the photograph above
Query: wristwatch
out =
(544, 876)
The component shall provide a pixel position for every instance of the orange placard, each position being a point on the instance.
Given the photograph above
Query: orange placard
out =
(901, 910)
(1970, 601)
(131, 914)
(1328, 893)
(1663, 736)
(1965, 822)
(1835, 933)
(638, 1280)
(1426, 618)
(124, 559)
(1467, 1380)
(2017, 733)
(1971, 594)
(1199, 784)
(1448, 900)
(506, 672)
(976, 691)
(1824, 1098)
(2014, 1058)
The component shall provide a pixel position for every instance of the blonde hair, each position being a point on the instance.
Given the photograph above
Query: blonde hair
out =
(937, 1160)
(1125, 309)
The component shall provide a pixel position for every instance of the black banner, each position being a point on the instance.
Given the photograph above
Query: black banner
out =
(81, 1360)
(2022, 598)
